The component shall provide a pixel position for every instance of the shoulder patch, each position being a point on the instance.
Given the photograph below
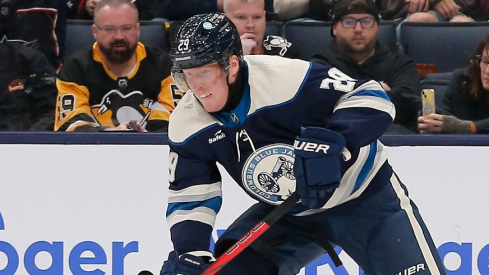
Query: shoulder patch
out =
(268, 173)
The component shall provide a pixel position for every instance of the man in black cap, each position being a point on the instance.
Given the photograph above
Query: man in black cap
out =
(356, 51)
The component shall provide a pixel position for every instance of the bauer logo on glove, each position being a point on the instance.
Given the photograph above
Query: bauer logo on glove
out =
(317, 166)
(311, 147)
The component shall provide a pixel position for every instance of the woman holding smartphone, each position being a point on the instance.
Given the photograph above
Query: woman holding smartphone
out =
(465, 106)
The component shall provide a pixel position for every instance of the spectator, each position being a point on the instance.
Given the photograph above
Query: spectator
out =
(27, 89)
(482, 13)
(323, 9)
(118, 80)
(38, 24)
(465, 107)
(72, 8)
(178, 10)
(312, 9)
(86, 8)
(393, 9)
(356, 51)
(249, 18)
(442, 10)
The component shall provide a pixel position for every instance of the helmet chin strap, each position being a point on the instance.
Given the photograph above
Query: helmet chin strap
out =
(235, 92)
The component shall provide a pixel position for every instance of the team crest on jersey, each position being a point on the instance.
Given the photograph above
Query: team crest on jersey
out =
(273, 41)
(122, 82)
(116, 106)
(268, 173)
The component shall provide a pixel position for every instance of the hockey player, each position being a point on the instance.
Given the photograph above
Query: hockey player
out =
(280, 126)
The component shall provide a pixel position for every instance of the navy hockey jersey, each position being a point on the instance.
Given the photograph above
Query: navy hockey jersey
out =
(254, 142)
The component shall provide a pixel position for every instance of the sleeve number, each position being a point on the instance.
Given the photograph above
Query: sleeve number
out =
(67, 104)
(173, 166)
(339, 80)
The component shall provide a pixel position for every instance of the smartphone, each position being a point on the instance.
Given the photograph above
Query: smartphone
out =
(428, 101)
(133, 126)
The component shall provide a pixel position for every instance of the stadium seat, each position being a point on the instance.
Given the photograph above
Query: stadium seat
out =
(446, 45)
(439, 76)
(79, 35)
(313, 36)
(273, 28)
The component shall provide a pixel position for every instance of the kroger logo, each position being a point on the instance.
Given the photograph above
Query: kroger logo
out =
(459, 259)
(56, 251)
(2, 224)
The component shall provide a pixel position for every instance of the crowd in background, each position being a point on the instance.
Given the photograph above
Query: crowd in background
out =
(39, 91)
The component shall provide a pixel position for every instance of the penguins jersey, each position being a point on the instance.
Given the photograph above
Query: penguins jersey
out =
(91, 98)
(254, 142)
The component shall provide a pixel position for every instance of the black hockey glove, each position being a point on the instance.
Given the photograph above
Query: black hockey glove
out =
(185, 264)
(317, 166)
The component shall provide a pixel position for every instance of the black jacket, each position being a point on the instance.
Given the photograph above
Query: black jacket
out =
(397, 71)
(27, 89)
(39, 24)
(464, 106)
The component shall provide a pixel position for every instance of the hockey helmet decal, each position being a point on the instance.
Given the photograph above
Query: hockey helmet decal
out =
(203, 39)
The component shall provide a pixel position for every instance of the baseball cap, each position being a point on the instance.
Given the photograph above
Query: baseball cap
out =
(344, 7)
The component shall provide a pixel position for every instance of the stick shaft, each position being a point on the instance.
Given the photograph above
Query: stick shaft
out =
(252, 235)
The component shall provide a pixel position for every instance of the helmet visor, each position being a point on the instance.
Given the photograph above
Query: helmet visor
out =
(200, 78)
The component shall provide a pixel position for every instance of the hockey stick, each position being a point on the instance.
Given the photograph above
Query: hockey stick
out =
(252, 235)
(249, 237)
(256, 232)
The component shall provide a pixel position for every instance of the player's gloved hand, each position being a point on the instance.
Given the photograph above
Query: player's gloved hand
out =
(185, 264)
(317, 167)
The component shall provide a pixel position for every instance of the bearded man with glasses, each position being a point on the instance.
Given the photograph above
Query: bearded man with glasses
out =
(357, 52)
(117, 81)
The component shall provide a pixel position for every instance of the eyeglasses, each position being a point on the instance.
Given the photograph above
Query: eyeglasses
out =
(111, 30)
(481, 62)
(350, 23)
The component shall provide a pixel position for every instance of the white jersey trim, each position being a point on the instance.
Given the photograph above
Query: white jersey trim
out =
(199, 214)
(418, 231)
(199, 192)
(270, 75)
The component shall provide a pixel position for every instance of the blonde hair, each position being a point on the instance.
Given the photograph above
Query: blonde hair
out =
(226, 3)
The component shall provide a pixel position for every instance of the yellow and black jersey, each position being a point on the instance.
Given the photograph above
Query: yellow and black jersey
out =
(91, 98)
